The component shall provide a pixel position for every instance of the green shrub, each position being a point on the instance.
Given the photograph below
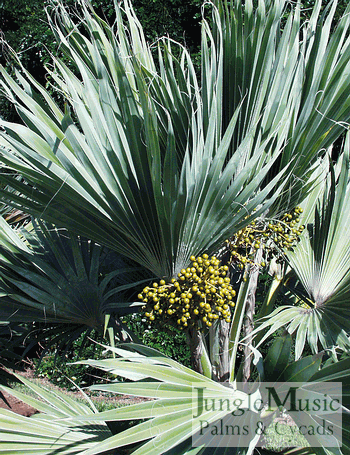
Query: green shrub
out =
(170, 340)
(58, 368)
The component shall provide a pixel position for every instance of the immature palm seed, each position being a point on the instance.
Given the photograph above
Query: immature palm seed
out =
(276, 234)
(203, 285)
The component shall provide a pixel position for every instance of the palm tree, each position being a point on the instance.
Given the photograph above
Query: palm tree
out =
(146, 160)
(163, 195)
(152, 164)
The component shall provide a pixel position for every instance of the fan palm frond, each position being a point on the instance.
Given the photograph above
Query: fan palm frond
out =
(172, 410)
(47, 431)
(167, 422)
(147, 167)
(52, 276)
(320, 262)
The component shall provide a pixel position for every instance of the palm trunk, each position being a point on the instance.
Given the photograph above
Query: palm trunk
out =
(219, 347)
(196, 349)
(248, 326)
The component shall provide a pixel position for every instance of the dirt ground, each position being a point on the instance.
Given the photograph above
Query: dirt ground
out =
(13, 404)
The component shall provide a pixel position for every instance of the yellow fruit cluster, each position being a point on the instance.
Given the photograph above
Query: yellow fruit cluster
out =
(282, 233)
(198, 296)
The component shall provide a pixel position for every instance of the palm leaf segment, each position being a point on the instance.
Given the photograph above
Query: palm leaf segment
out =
(321, 264)
(154, 167)
(168, 424)
(276, 68)
(47, 431)
(52, 276)
(167, 419)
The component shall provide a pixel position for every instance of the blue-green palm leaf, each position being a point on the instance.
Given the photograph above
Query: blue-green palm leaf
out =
(166, 424)
(320, 263)
(52, 276)
(166, 417)
(273, 63)
(141, 168)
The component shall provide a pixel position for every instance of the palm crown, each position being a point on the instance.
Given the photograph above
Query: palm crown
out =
(148, 162)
